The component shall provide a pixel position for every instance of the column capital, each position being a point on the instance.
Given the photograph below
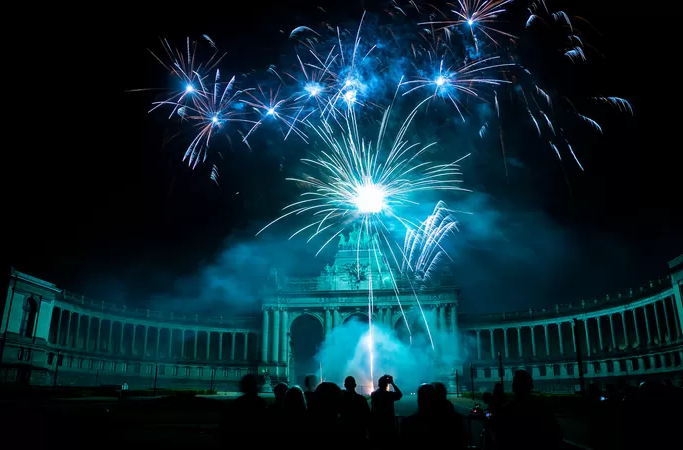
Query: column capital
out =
(545, 325)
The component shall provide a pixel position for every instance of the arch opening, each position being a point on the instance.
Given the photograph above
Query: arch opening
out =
(305, 341)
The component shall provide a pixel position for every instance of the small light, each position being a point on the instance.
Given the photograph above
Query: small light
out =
(214, 119)
(189, 88)
(470, 22)
(440, 81)
(271, 111)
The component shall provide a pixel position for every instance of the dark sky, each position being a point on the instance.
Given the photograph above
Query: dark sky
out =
(100, 203)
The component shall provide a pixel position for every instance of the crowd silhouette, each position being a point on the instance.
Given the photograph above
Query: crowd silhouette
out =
(325, 415)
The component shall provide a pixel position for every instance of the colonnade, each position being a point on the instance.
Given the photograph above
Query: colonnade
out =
(642, 326)
(116, 336)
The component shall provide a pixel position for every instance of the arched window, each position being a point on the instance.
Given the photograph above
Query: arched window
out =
(28, 319)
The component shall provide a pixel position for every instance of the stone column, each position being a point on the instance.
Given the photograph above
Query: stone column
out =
(233, 342)
(157, 343)
(588, 340)
(442, 320)
(559, 332)
(78, 330)
(144, 344)
(111, 335)
(276, 336)
(635, 324)
(132, 342)
(123, 328)
(208, 345)
(265, 335)
(519, 341)
(547, 341)
(657, 325)
(87, 335)
(68, 329)
(597, 321)
(284, 327)
(454, 320)
(505, 339)
(335, 316)
(574, 336)
(669, 337)
(623, 324)
(611, 330)
(170, 343)
(328, 321)
(59, 326)
(99, 334)
(220, 345)
(182, 344)
(493, 348)
(246, 346)
(196, 339)
(678, 301)
(533, 341)
(478, 344)
(647, 326)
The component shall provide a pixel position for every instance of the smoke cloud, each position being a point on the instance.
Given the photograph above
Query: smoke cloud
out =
(408, 357)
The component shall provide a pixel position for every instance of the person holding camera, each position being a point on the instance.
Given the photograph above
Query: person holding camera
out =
(382, 414)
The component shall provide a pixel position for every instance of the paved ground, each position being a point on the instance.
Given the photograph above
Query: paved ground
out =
(169, 421)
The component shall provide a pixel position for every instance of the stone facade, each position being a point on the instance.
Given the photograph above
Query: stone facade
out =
(53, 336)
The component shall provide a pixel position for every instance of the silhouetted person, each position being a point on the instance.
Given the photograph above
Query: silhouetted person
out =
(448, 418)
(382, 412)
(524, 423)
(295, 416)
(310, 383)
(246, 415)
(324, 414)
(280, 391)
(275, 411)
(354, 414)
(425, 428)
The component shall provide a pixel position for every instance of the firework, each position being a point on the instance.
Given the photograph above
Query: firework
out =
(362, 182)
(422, 249)
(448, 83)
(477, 16)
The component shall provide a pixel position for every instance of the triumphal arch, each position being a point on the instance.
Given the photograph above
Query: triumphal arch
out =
(343, 289)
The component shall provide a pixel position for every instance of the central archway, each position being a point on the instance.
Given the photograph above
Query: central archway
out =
(306, 339)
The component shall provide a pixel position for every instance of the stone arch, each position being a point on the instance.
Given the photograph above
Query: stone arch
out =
(364, 314)
(294, 316)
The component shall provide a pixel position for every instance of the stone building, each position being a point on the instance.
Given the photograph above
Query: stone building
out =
(51, 336)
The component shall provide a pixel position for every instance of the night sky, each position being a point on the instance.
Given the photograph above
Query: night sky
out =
(100, 202)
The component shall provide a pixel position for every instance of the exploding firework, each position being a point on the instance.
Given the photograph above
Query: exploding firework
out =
(422, 249)
(363, 183)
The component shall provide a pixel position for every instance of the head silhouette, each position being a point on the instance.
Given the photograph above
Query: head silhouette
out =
(311, 382)
(426, 399)
(440, 391)
(328, 396)
(522, 384)
(280, 390)
(350, 383)
(383, 382)
(249, 385)
(295, 401)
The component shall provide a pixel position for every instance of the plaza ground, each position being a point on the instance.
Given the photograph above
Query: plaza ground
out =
(171, 420)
